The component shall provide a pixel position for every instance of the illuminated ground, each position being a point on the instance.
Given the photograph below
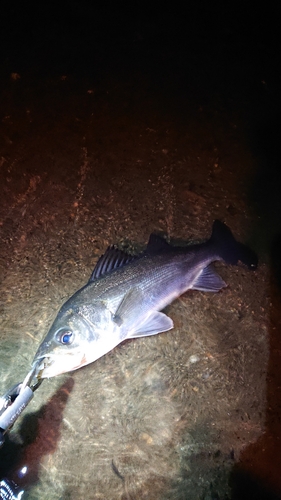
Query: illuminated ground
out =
(106, 146)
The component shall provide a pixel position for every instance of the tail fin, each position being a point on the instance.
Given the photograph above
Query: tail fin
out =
(230, 250)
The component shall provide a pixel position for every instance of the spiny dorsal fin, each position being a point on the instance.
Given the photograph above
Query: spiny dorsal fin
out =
(112, 259)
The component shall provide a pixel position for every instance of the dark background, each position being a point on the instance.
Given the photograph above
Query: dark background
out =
(192, 51)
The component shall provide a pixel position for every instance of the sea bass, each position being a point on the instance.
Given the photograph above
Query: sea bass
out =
(126, 294)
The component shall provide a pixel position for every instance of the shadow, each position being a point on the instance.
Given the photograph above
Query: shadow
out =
(265, 190)
(247, 486)
(257, 474)
(40, 434)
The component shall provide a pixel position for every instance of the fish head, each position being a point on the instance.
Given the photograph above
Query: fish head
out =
(76, 338)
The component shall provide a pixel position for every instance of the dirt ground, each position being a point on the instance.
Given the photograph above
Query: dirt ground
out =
(105, 139)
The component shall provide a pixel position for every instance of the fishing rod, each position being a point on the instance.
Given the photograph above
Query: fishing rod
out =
(12, 404)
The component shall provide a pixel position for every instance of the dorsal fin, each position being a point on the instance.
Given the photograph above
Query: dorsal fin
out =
(157, 244)
(115, 258)
(112, 259)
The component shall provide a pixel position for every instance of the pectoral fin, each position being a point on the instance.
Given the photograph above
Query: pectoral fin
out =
(129, 310)
(128, 306)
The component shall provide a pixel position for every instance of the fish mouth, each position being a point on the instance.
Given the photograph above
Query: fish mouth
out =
(33, 379)
(39, 365)
(42, 366)
(51, 365)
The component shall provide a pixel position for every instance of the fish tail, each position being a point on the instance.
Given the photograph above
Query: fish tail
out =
(230, 250)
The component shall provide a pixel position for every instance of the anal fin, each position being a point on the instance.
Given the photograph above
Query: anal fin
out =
(208, 281)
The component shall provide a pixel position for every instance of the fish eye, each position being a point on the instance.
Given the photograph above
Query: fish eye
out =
(65, 337)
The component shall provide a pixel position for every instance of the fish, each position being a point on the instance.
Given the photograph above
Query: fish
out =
(126, 294)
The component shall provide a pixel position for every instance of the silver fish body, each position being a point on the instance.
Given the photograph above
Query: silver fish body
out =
(125, 296)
